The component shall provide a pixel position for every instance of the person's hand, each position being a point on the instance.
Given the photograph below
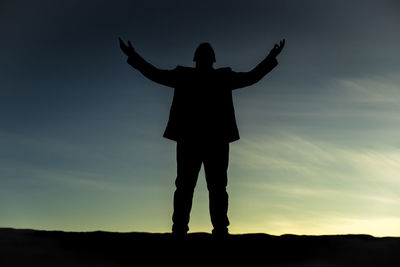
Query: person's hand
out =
(277, 48)
(127, 49)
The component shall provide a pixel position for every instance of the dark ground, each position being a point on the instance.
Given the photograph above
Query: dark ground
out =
(55, 248)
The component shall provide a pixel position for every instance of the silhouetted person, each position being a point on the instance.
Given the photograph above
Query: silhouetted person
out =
(202, 122)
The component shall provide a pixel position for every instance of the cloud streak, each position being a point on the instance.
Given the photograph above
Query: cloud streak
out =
(309, 181)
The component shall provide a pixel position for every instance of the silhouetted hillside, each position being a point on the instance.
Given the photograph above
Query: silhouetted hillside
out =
(56, 248)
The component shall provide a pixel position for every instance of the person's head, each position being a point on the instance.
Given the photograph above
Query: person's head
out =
(204, 56)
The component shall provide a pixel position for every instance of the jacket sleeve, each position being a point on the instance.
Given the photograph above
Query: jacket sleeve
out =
(242, 79)
(161, 76)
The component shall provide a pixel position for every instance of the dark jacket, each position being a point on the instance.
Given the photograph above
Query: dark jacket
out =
(202, 107)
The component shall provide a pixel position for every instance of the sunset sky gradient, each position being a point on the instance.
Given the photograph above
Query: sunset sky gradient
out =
(81, 144)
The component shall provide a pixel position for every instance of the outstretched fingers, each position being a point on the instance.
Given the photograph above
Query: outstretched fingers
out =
(282, 43)
(127, 49)
(130, 45)
(122, 44)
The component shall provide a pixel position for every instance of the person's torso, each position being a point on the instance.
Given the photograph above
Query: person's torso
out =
(202, 104)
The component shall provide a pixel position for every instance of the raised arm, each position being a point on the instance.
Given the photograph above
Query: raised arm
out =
(164, 77)
(243, 79)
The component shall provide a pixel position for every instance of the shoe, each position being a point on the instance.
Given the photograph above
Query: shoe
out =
(220, 233)
(179, 234)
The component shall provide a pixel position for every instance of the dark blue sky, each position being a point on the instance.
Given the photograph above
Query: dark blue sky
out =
(81, 144)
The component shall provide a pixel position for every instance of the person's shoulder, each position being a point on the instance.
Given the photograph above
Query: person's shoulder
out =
(224, 70)
(184, 69)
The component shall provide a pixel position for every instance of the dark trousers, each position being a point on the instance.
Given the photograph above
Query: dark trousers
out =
(214, 157)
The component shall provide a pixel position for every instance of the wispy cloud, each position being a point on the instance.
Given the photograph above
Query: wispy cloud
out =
(375, 90)
(298, 179)
(304, 156)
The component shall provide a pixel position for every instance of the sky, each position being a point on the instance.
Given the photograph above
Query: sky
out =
(81, 145)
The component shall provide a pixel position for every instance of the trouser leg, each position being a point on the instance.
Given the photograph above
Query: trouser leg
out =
(188, 167)
(216, 166)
